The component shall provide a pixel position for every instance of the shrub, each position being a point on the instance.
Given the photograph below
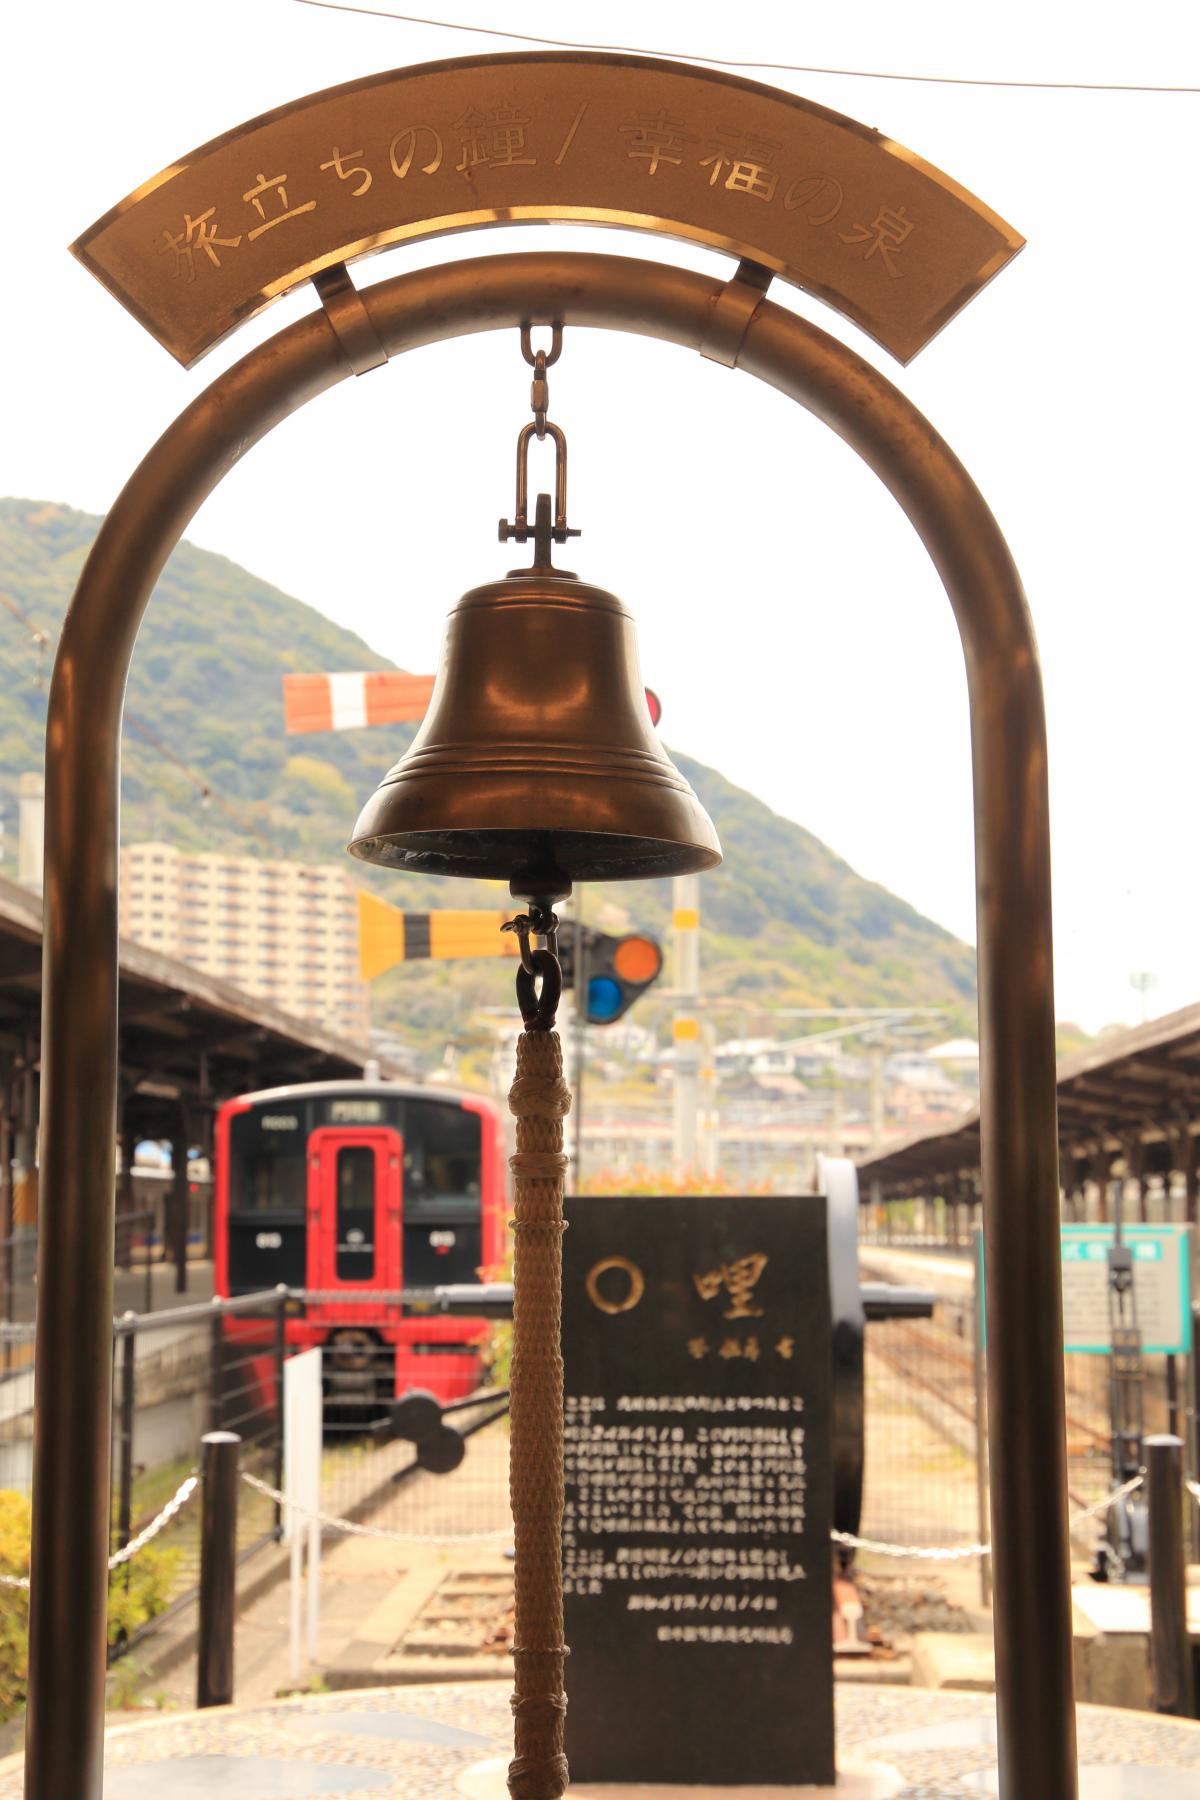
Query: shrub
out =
(131, 1603)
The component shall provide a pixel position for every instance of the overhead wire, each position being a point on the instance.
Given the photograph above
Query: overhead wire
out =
(729, 62)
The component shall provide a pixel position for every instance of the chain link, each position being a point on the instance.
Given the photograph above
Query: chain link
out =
(956, 1554)
(917, 1550)
(333, 1523)
(176, 1503)
(1102, 1506)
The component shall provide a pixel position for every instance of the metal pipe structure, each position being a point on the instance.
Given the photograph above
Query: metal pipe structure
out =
(219, 1451)
(1170, 1641)
(1020, 1153)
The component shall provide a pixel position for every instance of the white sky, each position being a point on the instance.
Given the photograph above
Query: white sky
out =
(802, 643)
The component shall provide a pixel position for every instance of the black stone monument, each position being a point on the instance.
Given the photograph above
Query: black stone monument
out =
(696, 1554)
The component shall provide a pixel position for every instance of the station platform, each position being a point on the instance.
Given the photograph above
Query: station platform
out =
(414, 1743)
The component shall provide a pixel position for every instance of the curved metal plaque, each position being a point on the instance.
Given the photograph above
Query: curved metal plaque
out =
(826, 203)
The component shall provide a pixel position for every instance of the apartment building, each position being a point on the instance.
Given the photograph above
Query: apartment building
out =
(286, 932)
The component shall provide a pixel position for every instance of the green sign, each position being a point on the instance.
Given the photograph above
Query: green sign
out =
(1161, 1257)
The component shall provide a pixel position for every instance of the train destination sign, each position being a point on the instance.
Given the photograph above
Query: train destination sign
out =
(696, 1554)
(830, 205)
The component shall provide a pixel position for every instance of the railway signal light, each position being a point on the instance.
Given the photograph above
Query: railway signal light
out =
(617, 970)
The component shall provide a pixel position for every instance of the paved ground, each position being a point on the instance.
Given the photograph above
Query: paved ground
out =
(415, 1743)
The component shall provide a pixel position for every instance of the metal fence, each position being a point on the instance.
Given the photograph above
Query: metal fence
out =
(925, 1470)
(218, 1366)
(926, 1412)
(143, 1241)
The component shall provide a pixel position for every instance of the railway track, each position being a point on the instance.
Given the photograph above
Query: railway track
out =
(932, 1360)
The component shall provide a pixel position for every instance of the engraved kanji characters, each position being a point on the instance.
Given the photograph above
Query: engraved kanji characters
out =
(338, 163)
(890, 228)
(818, 196)
(493, 138)
(785, 1348)
(430, 141)
(697, 1348)
(256, 196)
(742, 163)
(658, 139)
(738, 1278)
(198, 234)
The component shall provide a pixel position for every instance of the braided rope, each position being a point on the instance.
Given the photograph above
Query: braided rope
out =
(539, 1101)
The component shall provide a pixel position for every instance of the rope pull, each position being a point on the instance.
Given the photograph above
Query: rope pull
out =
(539, 1101)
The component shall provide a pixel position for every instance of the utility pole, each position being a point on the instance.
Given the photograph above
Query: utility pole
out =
(686, 1028)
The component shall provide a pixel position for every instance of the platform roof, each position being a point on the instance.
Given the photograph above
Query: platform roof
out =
(1135, 1093)
(184, 1035)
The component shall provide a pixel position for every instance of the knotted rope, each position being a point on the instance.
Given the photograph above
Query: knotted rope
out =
(539, 1101)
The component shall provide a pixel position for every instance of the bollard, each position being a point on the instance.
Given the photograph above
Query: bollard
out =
(218, 1564)
(1170, 1646)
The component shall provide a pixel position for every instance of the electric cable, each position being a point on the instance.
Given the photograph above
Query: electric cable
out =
(729, 62)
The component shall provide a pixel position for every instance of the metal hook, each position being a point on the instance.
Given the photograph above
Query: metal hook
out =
(528, 352)
(538, 1010)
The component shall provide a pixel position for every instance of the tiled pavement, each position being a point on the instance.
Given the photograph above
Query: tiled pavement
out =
(412, 1742)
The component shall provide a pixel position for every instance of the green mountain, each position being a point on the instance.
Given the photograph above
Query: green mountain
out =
(786, 922)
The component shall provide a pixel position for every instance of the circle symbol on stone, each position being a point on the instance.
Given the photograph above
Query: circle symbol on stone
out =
(637, 1285)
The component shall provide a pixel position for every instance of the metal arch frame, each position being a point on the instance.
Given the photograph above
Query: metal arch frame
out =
(79, 1056)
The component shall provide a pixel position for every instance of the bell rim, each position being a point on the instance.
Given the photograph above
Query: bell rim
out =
(416, 852)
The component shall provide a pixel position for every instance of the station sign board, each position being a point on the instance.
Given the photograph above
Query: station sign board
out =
(1162, 1287)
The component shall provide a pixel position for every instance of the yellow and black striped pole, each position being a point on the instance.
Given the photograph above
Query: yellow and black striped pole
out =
(387, 935)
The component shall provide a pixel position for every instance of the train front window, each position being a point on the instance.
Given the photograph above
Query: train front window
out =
(442, 1157)
(268, 1165)
(355, 1254)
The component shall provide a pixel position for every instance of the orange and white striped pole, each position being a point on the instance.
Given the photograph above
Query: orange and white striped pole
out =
(349, 701)
(686, 1027)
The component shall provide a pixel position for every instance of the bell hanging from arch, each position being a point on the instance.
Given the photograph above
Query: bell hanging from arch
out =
(537, 763)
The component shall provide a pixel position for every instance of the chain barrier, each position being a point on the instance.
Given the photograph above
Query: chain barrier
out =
(175, 1504)
(922, 1551)
(332, 1523)
(945, 1554)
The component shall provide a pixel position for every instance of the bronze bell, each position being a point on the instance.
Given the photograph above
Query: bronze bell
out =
(537, 762)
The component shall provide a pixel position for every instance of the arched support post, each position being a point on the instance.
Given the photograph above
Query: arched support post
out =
(1019, 1144)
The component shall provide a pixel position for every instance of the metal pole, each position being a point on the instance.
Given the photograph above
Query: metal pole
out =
(981, 1436)
(179, 1208)
(1031, 1569)
(280, 1357)
(218, 1566)
(125, 1441)
(1170, 1644)
(216, 1368)
(685, 893)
